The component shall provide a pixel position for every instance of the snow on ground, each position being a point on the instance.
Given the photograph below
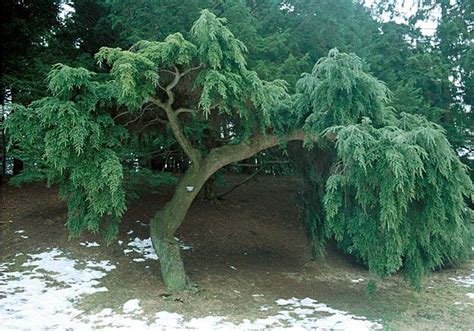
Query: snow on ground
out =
(44, 292)
(465, 281)
(88, 244)
(131, 305)
(357, 280)
(144, 248)
(22, 235)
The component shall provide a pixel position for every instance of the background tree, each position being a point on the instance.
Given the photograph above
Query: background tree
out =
(26, 27)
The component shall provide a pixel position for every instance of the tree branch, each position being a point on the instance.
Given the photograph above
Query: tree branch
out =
(184, 110)
(154, 121)
(177, 76)
(158, 102)
(222, 156)
(228, 191)
(139, 116)
(192, 153)
(187, 71)
(260, 164)
(120, 115)
(172, 85)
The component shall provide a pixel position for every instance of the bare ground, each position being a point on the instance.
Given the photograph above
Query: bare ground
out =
(252, 242)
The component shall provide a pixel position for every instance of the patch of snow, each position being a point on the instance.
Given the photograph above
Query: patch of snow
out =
(166, 320)
(283, 302)
(131, 306)
(208, 323)
(466, 281)
(24, 237)
(357, 280)
(182, 245)
(43, 293)
(104, 265)
(470, 295)
(88, 244)
(232, 267)
(302, 312)
(307, 302)
(130, 232)
(144, 248)
(338, 319)
(120, 242)
(20, 231)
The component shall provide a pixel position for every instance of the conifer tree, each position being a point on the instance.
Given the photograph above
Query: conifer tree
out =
(393, 190)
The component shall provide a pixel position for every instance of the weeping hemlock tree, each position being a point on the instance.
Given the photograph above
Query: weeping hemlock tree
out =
(393, 195)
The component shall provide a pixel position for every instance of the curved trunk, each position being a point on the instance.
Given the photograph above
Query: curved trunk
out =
(167, 220)
(165, 223)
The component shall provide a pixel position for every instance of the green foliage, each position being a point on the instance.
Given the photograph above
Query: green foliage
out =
(396, 197)
(134, 75)
(395, 193)
(173, 50)
(224, 81)
(140, 180)
(340, 92)
(218, 47)
(70, 139)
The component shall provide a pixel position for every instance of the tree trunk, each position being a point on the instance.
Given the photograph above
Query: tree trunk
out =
(17, 166)
(165, 223)
(167, 220)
